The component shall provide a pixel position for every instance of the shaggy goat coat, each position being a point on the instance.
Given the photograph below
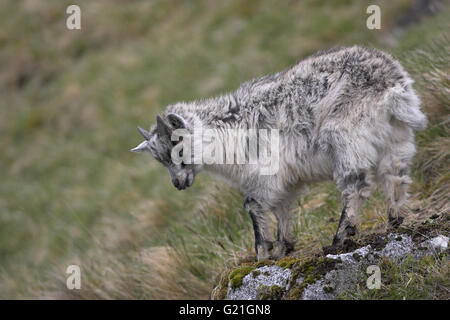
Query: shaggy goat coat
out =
(346, 114)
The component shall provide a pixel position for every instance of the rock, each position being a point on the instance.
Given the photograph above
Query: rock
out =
(398, 246)
(437, 244)
(257, 282)
(324, 278)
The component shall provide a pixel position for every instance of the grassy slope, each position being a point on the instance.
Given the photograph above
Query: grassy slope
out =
(72, 193)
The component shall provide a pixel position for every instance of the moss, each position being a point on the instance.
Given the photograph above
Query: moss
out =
(327, 289)
(287, 262)
(263, 293)
(297, 290)
(255, 273)
(263, 263)
(277, 292)
(311, 271)
(311, 278)
(270, 293)
(356, 256)
(238, 275)
(313, 268)
(295, 293)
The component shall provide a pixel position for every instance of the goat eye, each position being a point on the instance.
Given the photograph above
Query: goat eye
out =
(181, 153)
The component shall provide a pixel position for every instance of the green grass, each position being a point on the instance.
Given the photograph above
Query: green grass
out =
(427, 278)
(71, 191)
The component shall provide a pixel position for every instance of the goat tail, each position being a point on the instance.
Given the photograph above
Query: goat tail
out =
(405, 106)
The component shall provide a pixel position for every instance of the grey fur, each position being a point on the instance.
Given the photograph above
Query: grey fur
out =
(346, 114)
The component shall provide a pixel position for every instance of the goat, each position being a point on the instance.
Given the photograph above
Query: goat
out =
(346, 114)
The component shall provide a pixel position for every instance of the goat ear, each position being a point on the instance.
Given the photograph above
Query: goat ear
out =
(143, 146)
(176, 121)
(162, 128)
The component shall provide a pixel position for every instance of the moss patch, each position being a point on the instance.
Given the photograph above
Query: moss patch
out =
(311, 271)
(270, 293)
(263, 263)
(238, 275)
(313, 268)
(287, 262)
(277, 292)
(356, 256)
(255, 273)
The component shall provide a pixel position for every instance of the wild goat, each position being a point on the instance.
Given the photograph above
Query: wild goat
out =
(346, 114)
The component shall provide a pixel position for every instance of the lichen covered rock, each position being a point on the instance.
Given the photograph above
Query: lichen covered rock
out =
(263, 283)
(324, 277)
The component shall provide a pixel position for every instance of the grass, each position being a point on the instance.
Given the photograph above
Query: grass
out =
(427, 278)
(71, 193)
